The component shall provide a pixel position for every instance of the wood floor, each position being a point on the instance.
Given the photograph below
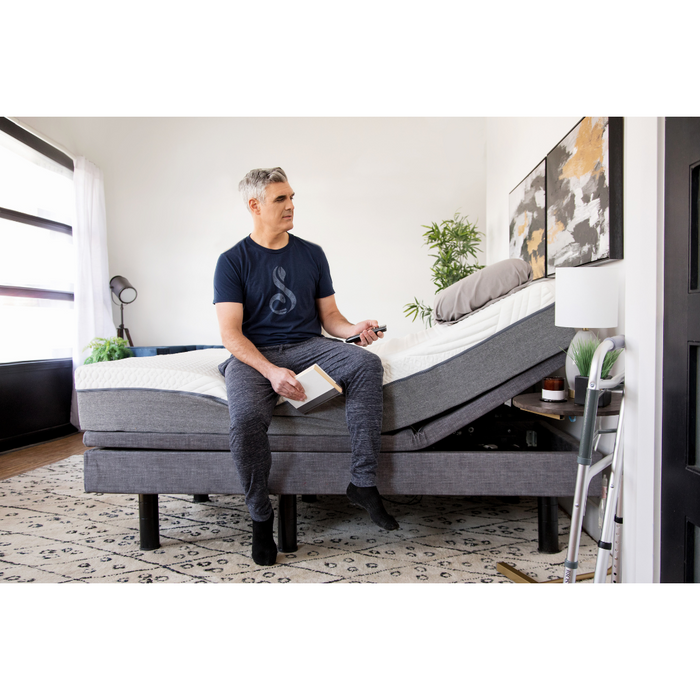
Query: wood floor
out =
(28, 458)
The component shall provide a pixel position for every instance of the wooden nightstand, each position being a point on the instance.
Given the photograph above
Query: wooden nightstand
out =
(534, 404)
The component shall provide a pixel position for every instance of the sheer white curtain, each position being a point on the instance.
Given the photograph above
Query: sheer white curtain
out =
(93, 303)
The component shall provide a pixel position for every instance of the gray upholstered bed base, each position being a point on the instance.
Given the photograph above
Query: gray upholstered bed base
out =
(429, 472)
(546, 475)
(149, 464)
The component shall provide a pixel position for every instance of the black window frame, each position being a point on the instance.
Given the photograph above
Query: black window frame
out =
(46, 149)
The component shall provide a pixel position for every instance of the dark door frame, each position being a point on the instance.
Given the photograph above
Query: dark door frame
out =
(680, 479)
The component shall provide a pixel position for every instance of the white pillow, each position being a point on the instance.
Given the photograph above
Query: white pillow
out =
(480, 289)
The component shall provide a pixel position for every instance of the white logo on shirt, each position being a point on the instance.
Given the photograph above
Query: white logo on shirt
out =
(278, 275)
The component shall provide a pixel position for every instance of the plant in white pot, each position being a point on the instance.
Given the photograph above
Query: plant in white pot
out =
(581, 352)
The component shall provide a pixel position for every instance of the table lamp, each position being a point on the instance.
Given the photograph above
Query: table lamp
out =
(586, 298)
(125, 292)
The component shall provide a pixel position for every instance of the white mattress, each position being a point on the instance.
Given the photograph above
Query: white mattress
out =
(419, 351)
(197, 371)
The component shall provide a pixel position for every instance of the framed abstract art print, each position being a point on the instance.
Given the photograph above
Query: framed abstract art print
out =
(584, 195)
(527, 211)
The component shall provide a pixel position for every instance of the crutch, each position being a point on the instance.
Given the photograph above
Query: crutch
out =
(589, 435)
(605, 544)
(615, 578)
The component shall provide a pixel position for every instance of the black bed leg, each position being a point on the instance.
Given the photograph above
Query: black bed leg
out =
(548, 524)
(148, 521)
(200, 498)
(287, 525)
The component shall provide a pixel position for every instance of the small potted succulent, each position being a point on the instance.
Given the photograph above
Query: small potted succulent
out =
(107, 349)
(581, 352)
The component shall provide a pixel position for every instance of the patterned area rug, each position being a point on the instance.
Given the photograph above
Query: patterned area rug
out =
(51, 531)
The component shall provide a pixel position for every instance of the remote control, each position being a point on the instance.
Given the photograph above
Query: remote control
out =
(355, 338)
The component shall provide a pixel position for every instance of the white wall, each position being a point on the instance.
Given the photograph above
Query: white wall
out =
(644, 239)
(514, 147)
(364, 188)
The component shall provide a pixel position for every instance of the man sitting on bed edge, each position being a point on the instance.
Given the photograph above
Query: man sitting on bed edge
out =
(273, 294)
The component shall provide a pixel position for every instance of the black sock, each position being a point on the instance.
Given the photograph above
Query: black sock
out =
(264, 547)
(368, 498)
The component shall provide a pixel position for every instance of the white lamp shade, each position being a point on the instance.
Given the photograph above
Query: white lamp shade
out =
(586, 297)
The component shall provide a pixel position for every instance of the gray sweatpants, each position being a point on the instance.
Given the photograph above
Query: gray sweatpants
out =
(251, 401)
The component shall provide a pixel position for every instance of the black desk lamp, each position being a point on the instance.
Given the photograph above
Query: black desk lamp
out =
(122, 289)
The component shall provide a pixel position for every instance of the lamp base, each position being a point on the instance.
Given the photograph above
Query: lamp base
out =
(120, 334)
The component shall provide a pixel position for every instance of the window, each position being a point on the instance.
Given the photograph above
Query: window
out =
(37, 266)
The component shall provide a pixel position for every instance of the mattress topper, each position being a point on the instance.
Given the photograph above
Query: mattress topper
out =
(197, 371)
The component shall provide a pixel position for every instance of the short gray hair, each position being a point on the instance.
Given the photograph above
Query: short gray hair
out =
(253, 185)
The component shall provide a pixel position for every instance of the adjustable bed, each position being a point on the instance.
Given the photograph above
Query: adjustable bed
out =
(159, 425)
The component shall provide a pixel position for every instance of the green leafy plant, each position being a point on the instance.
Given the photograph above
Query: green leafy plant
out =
(418, 308)
(582, 351)
(107, 349)
(456, 242)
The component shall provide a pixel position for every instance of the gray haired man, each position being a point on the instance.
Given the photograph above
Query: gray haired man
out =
(274, 294)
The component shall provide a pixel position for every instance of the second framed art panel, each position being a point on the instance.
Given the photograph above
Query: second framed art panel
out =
(527, 221)
(575, 196)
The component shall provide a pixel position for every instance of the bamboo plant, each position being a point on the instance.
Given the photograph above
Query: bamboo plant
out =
(456, 242)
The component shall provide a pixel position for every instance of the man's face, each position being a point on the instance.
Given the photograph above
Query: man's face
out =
(277, 211)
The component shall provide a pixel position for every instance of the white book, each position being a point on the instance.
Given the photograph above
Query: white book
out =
(319, 388)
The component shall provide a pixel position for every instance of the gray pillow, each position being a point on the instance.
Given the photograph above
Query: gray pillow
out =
(480, 289)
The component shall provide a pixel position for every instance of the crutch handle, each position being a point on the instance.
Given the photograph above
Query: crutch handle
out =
(618, 342)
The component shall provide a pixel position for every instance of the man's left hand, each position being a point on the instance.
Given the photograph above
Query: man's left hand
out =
(367, 336)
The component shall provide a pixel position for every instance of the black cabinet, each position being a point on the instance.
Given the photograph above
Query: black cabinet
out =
(35, 401)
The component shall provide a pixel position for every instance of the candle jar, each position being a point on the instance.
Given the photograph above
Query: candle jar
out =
(553, 390)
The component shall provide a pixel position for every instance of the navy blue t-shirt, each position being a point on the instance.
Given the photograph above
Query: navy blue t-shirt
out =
(278, 289)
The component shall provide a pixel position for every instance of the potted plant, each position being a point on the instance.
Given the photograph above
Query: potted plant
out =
(581, 352)
(457, 243)
(107, 349)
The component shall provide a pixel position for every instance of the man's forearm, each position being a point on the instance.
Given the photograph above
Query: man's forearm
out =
(282, 380)
(242, 349)
(337, 325)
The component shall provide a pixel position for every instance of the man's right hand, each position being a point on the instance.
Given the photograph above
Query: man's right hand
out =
(285, 383)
